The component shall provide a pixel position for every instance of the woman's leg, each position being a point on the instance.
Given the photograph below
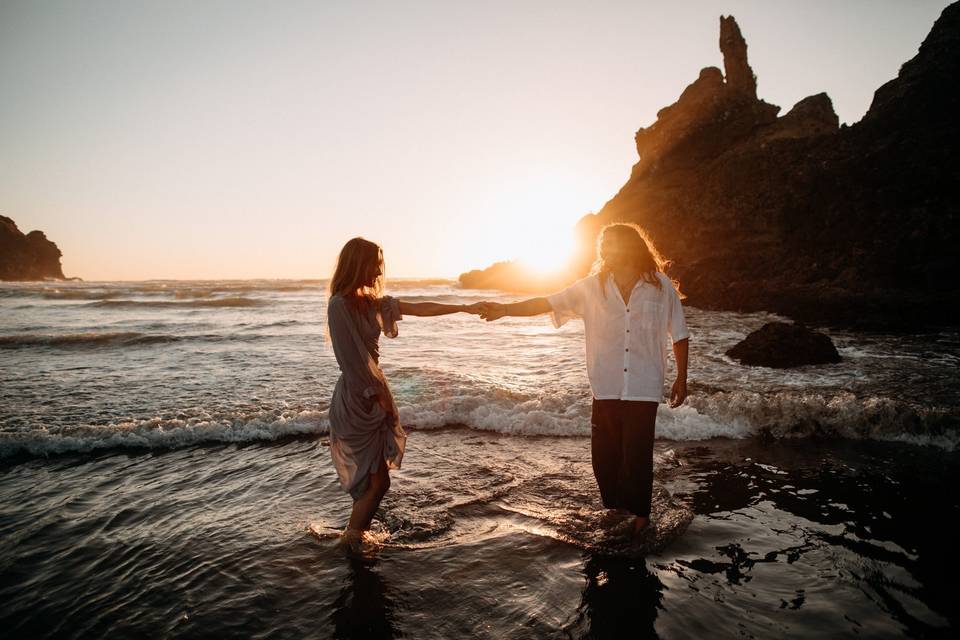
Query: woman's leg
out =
(637, 470)
(366, 505)
(605, 451)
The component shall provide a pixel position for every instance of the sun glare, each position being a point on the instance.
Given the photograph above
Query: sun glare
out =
(533, 224)
(550, 253)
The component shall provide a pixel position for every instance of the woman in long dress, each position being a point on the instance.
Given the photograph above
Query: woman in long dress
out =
(366, 438)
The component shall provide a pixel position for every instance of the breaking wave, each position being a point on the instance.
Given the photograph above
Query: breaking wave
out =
(162, 433)
(719, 415)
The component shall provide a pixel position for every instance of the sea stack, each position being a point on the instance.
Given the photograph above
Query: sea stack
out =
(27, 257)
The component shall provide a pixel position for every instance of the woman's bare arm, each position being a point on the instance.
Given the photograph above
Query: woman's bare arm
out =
(491, 311)
(432, 308)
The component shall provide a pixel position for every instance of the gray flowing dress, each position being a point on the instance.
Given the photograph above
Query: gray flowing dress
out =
(361, 432)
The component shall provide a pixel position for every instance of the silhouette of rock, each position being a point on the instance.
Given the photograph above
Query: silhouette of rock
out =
(846, 225)
(521, 279)
(781, 345)
(27, 257)
(812, 116)
(739, 75)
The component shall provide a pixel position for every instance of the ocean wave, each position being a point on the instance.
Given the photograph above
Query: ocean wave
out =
(162, 433)
(235, 301)
(174, 289)
(725, 415)
(91, 340)
(80, 294)
(841, 415)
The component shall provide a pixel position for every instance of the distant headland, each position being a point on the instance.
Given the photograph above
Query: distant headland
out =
(795, 214)
(27, 257)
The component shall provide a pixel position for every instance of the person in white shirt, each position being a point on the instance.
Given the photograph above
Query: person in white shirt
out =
(629, 308)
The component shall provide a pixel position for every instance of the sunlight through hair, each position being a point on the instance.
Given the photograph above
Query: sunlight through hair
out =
(627, 238)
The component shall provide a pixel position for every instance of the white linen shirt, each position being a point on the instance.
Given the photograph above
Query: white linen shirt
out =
(626, 342)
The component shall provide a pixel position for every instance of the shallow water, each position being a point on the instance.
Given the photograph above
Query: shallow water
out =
(163, 463)
(790, 538)
(92, 365)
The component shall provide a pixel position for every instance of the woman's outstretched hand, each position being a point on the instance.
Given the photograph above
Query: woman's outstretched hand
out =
(491, 311)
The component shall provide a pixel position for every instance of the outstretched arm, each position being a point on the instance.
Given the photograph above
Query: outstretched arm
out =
(432, 308)
(491, 311)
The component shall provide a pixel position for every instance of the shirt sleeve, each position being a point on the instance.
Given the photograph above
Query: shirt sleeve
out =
(568, 303)
(356, 363)
(676, 323)
(389, 314)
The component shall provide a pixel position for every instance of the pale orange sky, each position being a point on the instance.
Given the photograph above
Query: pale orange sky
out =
(251, 139)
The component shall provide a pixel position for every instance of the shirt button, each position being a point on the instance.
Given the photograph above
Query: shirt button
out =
(626, 349)
(628, 310)
(624, 369)
(628, 330)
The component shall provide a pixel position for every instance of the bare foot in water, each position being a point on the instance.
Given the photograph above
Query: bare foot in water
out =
(352, 539)
(640, 525)
(614, 518)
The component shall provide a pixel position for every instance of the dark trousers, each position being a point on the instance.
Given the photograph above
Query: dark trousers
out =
(621, 445)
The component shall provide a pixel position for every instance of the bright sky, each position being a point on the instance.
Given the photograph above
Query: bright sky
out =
(236, 139)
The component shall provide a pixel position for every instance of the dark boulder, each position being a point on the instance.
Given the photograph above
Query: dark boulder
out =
(782, 345)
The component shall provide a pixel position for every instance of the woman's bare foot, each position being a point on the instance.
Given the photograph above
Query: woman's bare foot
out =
(351, 538)
(640, 524)
(615, 518)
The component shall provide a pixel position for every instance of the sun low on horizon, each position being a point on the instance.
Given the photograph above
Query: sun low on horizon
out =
(534, 223)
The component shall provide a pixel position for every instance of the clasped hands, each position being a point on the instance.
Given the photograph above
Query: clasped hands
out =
(489, 311)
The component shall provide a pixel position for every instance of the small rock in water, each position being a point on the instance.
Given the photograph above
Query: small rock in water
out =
(781, 345)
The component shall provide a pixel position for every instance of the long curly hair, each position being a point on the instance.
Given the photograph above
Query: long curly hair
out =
(351, 277)
(634, 241)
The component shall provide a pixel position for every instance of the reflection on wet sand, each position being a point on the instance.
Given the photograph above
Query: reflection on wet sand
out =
(363, 609)
(621, 600)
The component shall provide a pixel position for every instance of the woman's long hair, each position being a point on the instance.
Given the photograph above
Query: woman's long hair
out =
(358, 258)
(636, 243)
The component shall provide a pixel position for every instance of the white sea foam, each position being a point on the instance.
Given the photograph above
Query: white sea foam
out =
(500, 413)
(724, 415)
(796, 414)
(160, 433)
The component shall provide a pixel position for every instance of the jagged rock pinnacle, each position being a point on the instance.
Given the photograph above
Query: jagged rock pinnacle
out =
(739, 75)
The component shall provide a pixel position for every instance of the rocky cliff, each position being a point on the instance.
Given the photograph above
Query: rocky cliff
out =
(27, 257)
(794, 214)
